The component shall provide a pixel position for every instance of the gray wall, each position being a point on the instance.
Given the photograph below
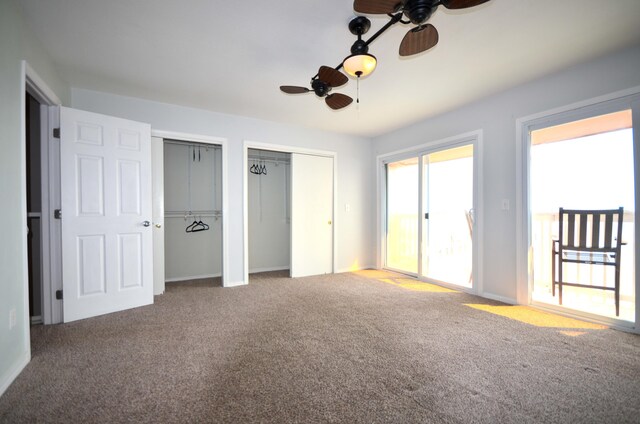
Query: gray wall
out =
(16, 44)
(496, 117)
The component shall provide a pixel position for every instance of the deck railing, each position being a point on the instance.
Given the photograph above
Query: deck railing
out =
(544, 229)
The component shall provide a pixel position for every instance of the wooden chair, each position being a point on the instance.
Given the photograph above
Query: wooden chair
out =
(470, 219)
(581, 240)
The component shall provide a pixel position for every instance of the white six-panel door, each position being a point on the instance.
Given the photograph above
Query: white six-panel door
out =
(311, 215)
(106, 205)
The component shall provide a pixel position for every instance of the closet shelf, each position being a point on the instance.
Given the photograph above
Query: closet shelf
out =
(190, 214)
(269, 159)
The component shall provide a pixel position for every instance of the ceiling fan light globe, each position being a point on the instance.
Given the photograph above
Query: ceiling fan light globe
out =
(360, 65)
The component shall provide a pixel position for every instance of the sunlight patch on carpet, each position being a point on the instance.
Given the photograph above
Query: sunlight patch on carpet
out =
(402, 281)
(376, 273)
(415, 285)
(538, 318)
(572, 333)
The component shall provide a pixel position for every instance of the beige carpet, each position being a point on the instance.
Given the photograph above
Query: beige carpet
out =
(362, 347)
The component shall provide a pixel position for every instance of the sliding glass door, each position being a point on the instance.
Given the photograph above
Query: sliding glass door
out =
(583, 164)
(447, 229)
(402, 215)
(429, 215)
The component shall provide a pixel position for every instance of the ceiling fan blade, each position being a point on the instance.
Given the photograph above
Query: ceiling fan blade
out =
(332, 77)
(461, 4)
(338, 101)
(418, 40)
(292, 89)
(376, 7)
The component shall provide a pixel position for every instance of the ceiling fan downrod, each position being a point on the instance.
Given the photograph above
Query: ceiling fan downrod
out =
(361, 46)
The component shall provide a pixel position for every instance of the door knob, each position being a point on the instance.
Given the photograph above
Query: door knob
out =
(158, 225)
(145, 223)
(329, 222)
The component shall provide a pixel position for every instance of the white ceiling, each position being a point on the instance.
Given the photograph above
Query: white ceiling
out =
(232, 56)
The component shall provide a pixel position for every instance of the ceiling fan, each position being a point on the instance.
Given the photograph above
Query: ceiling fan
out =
(424, 36)
(321, 84)
(360, 63)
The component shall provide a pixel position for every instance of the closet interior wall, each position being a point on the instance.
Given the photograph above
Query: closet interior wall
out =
(269, 196)
(192, 193)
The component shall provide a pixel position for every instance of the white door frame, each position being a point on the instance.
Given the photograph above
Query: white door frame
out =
(625, 99)
(50, 192)
(157, 213)
(223, 142)
(245, 193)
(476, 139)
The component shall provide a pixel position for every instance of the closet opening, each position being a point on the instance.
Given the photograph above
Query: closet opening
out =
(34, 207)
(192, 174)
(269, 211)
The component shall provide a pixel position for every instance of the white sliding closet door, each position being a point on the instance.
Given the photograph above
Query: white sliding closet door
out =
(106, 203)
(311, 215)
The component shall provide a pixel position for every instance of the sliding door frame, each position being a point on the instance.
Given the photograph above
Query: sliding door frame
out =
(474, 138)
(622, 100)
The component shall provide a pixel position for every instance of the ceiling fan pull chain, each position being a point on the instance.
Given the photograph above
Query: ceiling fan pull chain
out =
(358, 90)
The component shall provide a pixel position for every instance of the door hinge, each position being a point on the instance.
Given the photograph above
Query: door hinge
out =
(56, 133)
(57, 214)
(58, 294)
(426, 215)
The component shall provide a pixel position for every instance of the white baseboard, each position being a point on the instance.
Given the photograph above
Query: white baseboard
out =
(502, 299)
(361, 268)
(198, 277)
(14, 371)
(193, 277)
(234, 284)
(268, 269)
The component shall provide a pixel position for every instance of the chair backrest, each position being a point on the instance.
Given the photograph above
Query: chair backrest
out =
(591, 230)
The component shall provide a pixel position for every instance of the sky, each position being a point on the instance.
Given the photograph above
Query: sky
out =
(594, 172)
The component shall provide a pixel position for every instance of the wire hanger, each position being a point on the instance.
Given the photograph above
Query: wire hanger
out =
(259, 167)
(254, 168)
(200, 226)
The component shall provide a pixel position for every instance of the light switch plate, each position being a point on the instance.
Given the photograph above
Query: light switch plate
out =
(12, 318)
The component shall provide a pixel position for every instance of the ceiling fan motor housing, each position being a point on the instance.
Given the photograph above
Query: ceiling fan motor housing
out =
(359, 25)
(419, 11)
(320, 88)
